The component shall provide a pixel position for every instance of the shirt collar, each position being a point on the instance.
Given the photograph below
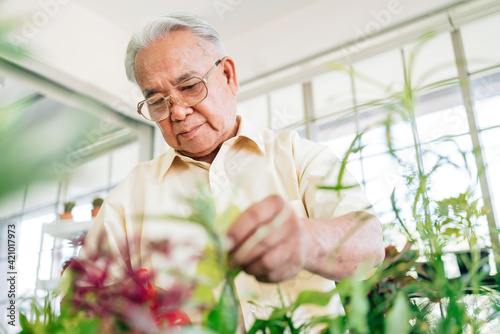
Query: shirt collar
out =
(245, 129)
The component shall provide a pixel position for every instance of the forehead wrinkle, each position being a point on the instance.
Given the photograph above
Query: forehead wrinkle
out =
(185, 75)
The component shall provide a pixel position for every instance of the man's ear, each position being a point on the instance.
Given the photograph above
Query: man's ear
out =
(230, 74)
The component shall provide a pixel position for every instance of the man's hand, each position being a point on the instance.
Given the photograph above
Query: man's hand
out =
(269, 241)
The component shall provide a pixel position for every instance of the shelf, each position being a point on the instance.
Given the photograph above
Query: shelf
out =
(66, 229)
(48, 284)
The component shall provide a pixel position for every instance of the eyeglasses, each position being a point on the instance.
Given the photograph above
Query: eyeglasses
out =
(188, 93)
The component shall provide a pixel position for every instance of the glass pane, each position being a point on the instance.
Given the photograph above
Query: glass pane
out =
(89, 177)
(382, 175)
(439, 113)
(356, 169)
(488, 112)
(434, 61)
(447, 97)
(454, 175)
(331, 92)
(82, 213)
(12, 204)
(447, 122)
(287, 106)
(401, 135)
(29, 247)
(491, 146)
(160, 145)
(378, 76)
(374, 142)
(41, 193)
(122, 161)
(255, 111)
(481, 43)
(486, 94)
(338, 134)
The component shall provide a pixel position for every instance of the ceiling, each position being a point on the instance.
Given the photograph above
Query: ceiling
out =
(229, 17)
(81, 43)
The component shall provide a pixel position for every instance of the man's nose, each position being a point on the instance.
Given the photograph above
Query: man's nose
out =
(178, 112)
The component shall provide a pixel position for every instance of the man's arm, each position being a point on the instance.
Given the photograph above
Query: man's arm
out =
(272, 243)
(341, 245)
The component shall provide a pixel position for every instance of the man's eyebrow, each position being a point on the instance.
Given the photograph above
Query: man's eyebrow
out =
(184, 76)
(149, 92)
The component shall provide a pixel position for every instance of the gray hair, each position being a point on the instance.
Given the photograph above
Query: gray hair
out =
(157, 28)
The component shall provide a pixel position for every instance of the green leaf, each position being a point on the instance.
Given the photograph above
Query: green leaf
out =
(226, 219)
(319, 298)
(451, 231)
(89, 326)
(359, 307)
(398, 317)
(203, 207)
(261, 326)
(224, 317)
(279, 313)
(210, 267)
(25, 325)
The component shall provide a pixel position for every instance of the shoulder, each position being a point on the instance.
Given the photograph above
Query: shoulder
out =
(304, 151)
(287, 140)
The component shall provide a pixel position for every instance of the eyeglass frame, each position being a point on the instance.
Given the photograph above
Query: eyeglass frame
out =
(168, 99)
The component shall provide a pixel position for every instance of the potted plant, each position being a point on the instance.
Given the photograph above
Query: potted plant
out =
(68, 207)
(96, 205)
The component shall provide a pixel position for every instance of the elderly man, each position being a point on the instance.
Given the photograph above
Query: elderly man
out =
(287, 226)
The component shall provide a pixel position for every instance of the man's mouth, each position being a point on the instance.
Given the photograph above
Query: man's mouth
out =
(190, 133)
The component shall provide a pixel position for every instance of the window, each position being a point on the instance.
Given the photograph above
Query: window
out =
(40, 255)
(345, 105)
(255, 111)
(287, 106)
(332, 92)
(480, 39)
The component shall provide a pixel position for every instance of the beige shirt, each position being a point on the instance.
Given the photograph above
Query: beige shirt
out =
(249, 167)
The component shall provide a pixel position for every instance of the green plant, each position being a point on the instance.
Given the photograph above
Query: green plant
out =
(68, 206)
(97, 202)
(221, 316)
(411, 292)
(459, 216)
(405, 289)
(47, 321)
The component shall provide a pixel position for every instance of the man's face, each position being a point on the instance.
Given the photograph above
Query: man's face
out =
(199, 130)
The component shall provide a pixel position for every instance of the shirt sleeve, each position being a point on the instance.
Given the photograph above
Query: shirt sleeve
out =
(318, 166)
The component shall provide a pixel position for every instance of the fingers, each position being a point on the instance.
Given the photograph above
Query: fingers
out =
(280, 274)
(270, 263)
(269, 241)
(265, 237)
(284, 268)
(251, 219)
